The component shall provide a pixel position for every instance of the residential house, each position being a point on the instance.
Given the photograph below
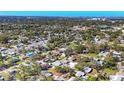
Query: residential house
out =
(56, 63)
(116, 54)
(103, 54)
(87, 69)
(116, 77)
(79, 74)
(72, 64)
(1, 78)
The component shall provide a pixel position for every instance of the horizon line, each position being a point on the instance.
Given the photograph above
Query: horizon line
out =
(64, 13)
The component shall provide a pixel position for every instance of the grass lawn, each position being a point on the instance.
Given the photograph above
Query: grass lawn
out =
(61, 57)
(6, 75)
(122, 45)
(110, 71)
(44, 53)
(52, 70)
(91, 55)
(1, 63)
(110, 43)
(122, 63)
(19, 62)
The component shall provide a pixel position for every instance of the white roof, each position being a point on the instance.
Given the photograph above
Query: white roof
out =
(72, 64)
(56, 63)
(48, 74)
(40, 62)
(116, 53)
(87, 69)
(116, 77)
(72, 79)
(80, 74)
(62, 49)
(1, 49)
(1, 77)
(70, 58)
(11, 53)
(29, 65)
(122, 31)
(3, 55)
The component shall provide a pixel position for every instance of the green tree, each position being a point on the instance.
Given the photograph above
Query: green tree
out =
(4, 38)
(80, 66)
(1, 59)
(110, 62)
(92, 78)
(61, 69)
(77, 47)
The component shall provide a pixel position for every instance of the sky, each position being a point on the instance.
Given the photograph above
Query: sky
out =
(62, 13)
